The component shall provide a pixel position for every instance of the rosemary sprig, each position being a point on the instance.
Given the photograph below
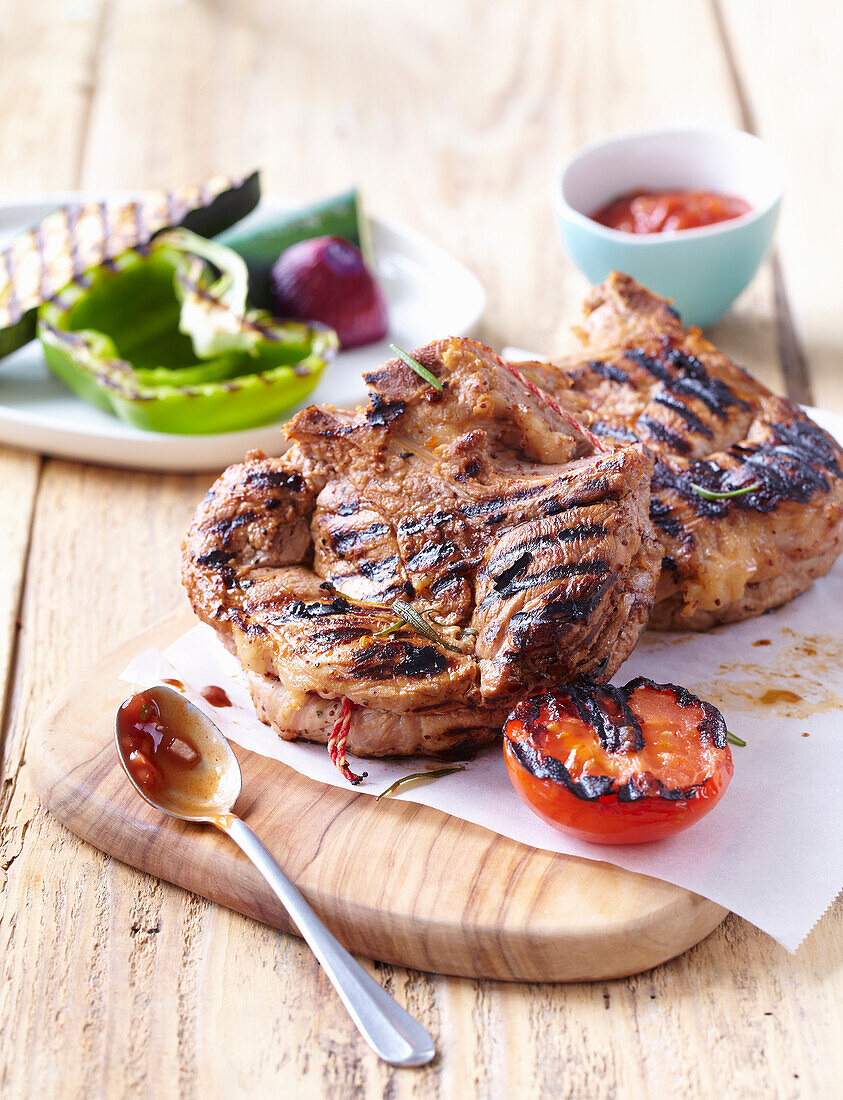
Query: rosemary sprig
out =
(424, 628)
(416, 366)
(710, 494)
(733, 739)
(415, 619)
(416, 777)
(389, 629)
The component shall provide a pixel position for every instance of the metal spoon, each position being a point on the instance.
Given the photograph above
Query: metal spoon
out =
(207, 795)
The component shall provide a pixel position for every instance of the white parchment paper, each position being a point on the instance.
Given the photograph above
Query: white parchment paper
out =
(771, 851)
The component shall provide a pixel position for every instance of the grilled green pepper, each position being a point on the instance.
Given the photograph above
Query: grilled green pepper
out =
(74, 238)
(162, 338)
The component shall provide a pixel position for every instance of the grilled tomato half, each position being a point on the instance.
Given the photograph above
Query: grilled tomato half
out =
(618, 765)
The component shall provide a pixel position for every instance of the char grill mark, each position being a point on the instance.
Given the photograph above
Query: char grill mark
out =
(662, 516)
(607, 710)
(696, 381)
(561, 609)
(379, 570)
(345, 539)
(356, 547)
(552, 581)
(422, 524)
(543, 766)
(670, 401)
(590, 788)
(713, 726)
(793, 465)
(324, 640)
(215, 559)
(610, 371)
(398, 658)
(525, 550)
(298, 609)
(257, 480)
(436, 553)
(380, 413)
(693, 379)
(502, 581)
(449, 581)
(622, 435)
(505, 586)
(655, 430)
(654, 366)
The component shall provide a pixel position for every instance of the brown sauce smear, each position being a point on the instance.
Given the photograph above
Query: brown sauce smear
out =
(779, 695)
(807, 663)
(215, 696)
(177, 684)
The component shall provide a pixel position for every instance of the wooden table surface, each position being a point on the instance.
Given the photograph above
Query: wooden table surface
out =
(452, 117)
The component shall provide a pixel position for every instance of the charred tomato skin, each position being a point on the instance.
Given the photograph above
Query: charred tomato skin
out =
(599, 809)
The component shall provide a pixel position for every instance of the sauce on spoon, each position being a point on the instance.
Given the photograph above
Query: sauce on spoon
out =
(176, 767)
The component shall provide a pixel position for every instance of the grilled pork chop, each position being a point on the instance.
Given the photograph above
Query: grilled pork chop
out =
(484, 507)
(643, 377)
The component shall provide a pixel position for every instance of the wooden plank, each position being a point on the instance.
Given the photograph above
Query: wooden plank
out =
(48, 57)
(102, 559)
(791, 353)
(19, 474)
(33, 106)
(452, 118)
(794, 85)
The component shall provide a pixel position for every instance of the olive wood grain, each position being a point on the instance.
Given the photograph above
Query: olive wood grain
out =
(395, 881)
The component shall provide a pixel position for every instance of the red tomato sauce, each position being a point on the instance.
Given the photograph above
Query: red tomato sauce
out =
(156, 756)
(661, 211)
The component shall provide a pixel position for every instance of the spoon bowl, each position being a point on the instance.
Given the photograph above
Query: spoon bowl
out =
(203, 790)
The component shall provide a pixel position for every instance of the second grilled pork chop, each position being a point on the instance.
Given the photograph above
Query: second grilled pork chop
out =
(642, 376)
(482, 506)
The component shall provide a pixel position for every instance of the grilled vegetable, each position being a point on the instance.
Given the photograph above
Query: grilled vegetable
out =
(261, 244)
(618, 765)
(325, 279)
(162, 338)
(72, 239)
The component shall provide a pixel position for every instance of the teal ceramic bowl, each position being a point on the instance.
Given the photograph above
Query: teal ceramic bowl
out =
(701, 270)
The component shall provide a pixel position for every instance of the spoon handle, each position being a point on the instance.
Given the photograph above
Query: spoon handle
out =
(390, 1031)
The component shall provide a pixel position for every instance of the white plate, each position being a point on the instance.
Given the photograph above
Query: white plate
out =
(430, 295)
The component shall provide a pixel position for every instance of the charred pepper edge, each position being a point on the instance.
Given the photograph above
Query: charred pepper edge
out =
(217, 204)
(315, 362)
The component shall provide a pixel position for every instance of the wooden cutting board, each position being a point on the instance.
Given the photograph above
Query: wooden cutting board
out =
(394, 881)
